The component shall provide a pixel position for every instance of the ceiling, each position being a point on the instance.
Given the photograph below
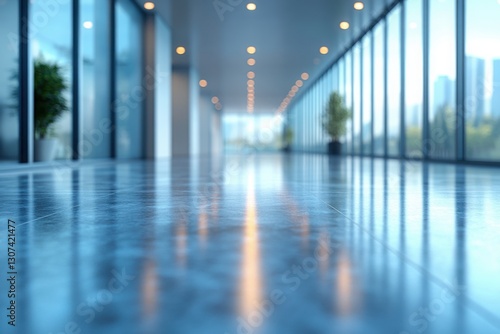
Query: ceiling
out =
(286, 33)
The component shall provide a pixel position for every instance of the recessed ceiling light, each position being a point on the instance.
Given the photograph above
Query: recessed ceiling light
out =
(180, 50)
(304, 76)
(203, 83)
(344, 25)
(359, 5)
(215, 100)
(251, 75)
(251, 6)
(218, 106)
(251, 62)
(299, 83)
(88, 24)
(251, 50)
(149, 5)
(323, 50)
(251, 83)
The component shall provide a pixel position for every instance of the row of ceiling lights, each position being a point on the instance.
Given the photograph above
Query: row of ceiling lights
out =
(344, 25)
(293, 91)
(181, 50)
(250, 75)
(251, 50)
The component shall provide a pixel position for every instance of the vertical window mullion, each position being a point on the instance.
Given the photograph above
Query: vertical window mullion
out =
(460, 81)
(26, 116)
(386, 95)
(425, 130)
(76, 123)
(402, 102)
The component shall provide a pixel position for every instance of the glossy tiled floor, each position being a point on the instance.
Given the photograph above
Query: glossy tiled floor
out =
(255, 244)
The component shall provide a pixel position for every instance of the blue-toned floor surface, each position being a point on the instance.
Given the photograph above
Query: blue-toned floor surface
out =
(253, 244)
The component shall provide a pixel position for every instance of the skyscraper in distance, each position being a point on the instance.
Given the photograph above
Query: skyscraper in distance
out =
(444, 92)
(495, 98)
(474, 88)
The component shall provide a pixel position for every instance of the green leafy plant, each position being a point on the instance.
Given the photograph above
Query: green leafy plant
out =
(335, 117)
(49, 101)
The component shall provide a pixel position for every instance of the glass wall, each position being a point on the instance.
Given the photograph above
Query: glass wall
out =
(378, 90)
(52, 43)
(9, 82)
(367, 96)
(356, 102)
(348, 101)
(482, 80)
(442, 80)
(49, 32)
(341, 70)
(369, 77)
(331, 85)
(414, 78)
(335, 78)
(308, 107)
(129, 107)
(394, 81)
(96, 82)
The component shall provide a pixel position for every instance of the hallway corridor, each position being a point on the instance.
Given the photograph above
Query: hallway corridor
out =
(255, 244)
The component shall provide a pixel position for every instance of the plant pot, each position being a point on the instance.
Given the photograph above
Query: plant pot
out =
(334, 148)
(286, 149)
(45, 149)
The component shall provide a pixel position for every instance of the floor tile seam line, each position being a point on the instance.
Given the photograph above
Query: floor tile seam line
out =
(478, 308)
(70, 208)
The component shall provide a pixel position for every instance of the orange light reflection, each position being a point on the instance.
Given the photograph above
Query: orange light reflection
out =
(251, 280)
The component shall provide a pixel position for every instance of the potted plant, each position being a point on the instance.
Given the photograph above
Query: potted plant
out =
(49, 105)
(287, 139)
(334, 122)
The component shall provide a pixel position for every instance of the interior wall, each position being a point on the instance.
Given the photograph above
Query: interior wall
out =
(163, 96)
(180, 111)
(194, 113)
(216, 134)
(206, 108)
